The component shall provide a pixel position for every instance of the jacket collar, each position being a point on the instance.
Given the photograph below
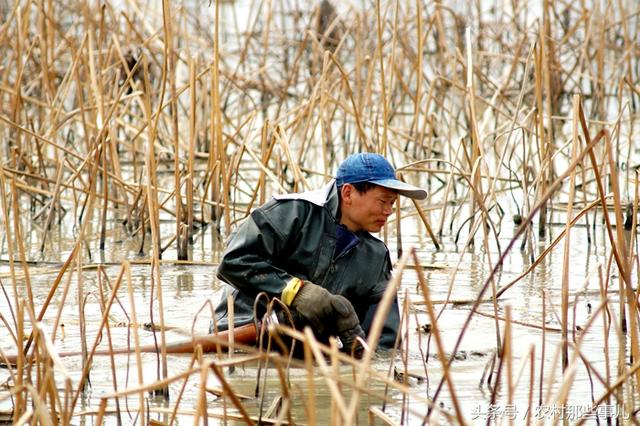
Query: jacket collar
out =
(327, 196)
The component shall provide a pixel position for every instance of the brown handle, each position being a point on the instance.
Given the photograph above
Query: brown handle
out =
(243, 335)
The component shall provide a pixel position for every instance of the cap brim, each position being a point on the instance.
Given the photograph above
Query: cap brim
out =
(402, 188)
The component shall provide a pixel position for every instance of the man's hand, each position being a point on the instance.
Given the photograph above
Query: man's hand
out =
(313, 304)
(328, 313)
(347, 325)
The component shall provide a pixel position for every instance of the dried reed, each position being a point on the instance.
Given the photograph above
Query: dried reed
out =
(118, 119)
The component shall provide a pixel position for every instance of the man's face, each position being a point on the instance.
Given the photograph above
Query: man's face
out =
(366, 211)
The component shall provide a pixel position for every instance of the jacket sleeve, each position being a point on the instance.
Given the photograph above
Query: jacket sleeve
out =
(391, 324)
(248, 262)
(389, 328)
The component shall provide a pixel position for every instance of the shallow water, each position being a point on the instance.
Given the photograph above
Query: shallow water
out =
(190, 291)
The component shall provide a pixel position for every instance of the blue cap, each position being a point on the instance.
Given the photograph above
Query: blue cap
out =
(374, 168)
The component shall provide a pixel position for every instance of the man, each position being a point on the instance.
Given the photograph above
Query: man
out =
(315, 252)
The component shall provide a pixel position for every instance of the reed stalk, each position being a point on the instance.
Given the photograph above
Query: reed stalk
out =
(541, 134)
(103, 306)
(126, 274)
(220, 188)
(567, 242)
(192, 149)
(439, 345)
(475, 138)
(8, 233)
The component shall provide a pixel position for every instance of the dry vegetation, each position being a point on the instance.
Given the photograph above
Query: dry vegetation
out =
(530, 104)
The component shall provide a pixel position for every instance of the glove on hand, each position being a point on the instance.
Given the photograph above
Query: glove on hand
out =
(347, 325)
(328, 313)
(313, 304)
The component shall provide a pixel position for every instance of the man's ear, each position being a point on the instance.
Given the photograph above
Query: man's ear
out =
(346, 192)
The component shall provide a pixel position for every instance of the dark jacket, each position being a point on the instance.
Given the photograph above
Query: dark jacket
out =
(295, 236)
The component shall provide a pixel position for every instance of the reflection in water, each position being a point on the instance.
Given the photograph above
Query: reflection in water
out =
(185, 283)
